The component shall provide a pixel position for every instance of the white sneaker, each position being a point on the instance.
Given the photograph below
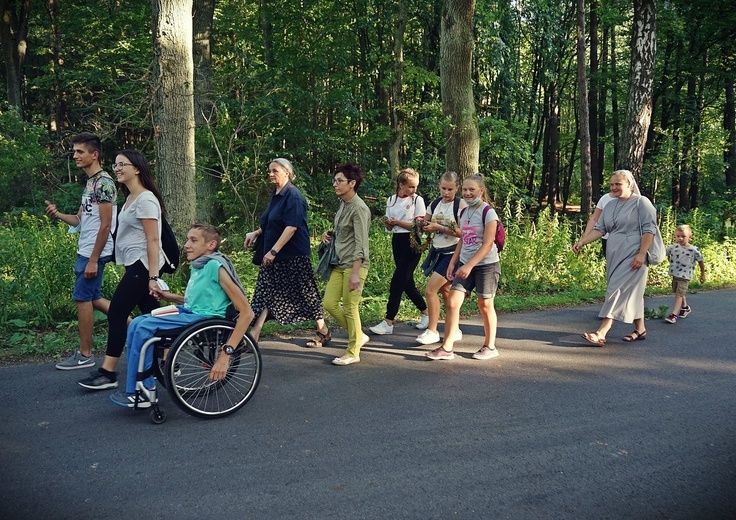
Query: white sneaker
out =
(423, 322)
(428, 337)
(382, 328)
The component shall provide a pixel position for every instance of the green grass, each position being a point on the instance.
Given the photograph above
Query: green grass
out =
(539, 271)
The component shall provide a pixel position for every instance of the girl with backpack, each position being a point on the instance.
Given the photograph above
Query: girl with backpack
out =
(442, 220)
(474, 265)
(402, 209)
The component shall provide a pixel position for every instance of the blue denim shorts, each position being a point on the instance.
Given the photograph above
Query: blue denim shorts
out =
(88, 289)
(483, 278)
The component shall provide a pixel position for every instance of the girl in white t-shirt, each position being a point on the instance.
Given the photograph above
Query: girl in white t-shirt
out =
(402, 209)
(441, 219)
(474, 265)
(138, 248)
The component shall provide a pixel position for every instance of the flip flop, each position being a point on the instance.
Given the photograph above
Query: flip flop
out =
(598, 341)
(636, 336)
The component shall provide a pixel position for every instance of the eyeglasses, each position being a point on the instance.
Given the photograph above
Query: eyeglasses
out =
(120, 165)
(339, 181)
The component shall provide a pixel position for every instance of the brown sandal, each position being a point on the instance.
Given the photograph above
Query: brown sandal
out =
(594, 338)
(320, 340)
(636, 336)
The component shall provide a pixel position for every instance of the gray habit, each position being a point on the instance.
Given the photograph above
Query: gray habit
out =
(625, 221)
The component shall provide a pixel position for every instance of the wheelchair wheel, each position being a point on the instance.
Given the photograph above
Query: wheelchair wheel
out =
(188, 365)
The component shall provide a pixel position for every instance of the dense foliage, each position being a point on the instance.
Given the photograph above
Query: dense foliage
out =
(539, 269)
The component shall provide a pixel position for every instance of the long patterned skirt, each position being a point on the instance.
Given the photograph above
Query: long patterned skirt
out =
(289, 291)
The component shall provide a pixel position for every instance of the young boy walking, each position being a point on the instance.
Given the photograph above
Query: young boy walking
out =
(94, 219)
(682, 256)
(213, 286)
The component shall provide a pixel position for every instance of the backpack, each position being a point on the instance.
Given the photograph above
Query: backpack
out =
(170, 248)
(455, 207)
(500, 238)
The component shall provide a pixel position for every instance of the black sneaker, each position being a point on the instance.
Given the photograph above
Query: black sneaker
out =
(100, 379)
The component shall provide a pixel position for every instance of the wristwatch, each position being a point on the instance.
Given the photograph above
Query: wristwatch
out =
(273, 252)
(228, 349)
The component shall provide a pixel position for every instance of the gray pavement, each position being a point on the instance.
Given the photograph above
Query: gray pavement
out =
(550, 429)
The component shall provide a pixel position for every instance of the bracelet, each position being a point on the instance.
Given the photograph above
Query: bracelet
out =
(444, 230)
(154, 278)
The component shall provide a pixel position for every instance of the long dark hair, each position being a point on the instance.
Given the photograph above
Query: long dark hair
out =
(140, 162)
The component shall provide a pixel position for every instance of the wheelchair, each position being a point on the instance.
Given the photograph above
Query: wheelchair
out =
(181, 364)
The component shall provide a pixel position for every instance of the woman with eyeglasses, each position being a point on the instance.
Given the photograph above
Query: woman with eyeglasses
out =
(286, 289)
(138, 248)
(345, 285)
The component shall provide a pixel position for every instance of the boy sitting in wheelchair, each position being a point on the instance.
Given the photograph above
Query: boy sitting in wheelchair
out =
(212, 287)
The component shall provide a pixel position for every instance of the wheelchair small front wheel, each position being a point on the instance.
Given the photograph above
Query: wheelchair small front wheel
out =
(190, 360)
(157, 416)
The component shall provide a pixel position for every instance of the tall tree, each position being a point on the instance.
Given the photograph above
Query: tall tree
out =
(173, 108)
(398, 111)
(458, 107)
(209, 179)
(586, 181)
(13, 33)
(729, 113)
(641, 86)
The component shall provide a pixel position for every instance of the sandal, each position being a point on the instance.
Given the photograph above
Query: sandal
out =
(320, 339)
(636, 336)
(594, 338)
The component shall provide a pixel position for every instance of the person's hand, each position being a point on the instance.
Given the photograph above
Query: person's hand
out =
(327, 236)
(268, 258)
(219, 369)
(354, 282)
(432, 227)
(702, 278)
(638, 260)
(450, 275)
(463, 272)
(90, 270)
(51, 210)
(153, 288)
(578, 247)
(250, 238)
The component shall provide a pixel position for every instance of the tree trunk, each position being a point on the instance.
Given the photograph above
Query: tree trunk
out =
(602, 104)
(209, 178)
(729, 115)
(586, 181)
(456, 54)
(398, 115)
(553, 181)
(615, 120)
(641, 85)
(594, 91)
(173, 109)
(13, 33)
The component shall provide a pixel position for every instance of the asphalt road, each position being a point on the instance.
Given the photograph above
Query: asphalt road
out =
(550, 429)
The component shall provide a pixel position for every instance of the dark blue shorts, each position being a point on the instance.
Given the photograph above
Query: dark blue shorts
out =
(88, 289)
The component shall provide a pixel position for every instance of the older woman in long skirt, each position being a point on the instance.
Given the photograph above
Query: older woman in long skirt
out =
(286, 289)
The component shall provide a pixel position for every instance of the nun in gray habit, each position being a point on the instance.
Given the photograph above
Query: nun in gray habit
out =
(631, 222)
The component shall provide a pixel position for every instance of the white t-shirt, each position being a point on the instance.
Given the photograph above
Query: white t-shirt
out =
(405, 209)
(130, 243)
(100, 188)
(473, 228)
(444, 215)
(605, 199)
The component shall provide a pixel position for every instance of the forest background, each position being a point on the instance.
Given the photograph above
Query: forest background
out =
(544, 97)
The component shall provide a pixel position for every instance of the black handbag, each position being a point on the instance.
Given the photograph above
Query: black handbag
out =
(258, 250)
